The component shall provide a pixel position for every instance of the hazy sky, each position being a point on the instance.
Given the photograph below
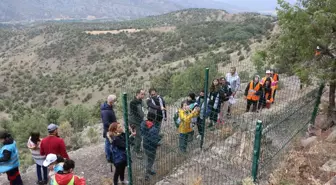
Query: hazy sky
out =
(255, 5)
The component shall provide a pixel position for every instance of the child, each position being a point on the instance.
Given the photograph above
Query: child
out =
(66, 176)
(185, 129)
(34, 146)
(55, 164)
(151, 140)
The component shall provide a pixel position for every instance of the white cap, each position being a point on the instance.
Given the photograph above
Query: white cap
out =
(268, 71)
(50, 159)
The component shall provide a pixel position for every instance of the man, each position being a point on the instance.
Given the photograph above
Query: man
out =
(53, 144)
(234, 81)
(136, 117)
(108, 117)
(275, 78)
(252, 94)
(157, 105)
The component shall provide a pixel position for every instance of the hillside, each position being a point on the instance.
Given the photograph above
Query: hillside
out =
(27, 10)
(60, 72)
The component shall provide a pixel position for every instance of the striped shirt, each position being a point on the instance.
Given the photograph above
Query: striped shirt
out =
(35, 151)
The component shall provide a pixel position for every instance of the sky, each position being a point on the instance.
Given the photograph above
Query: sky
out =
(265, 6)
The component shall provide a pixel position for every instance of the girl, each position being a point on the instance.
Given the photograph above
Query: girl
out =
(117, 138)
(214, 102)
(9, 158)
(34, 146)
(185, 128)
(267, 96)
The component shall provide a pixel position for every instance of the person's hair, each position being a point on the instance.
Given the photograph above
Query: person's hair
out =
(111, 98)
(68, 164)
(59, 159)
(202, 90)
(138, 91)
(35, 137)
(192, 96)
(213, 87)
(234, 68)
(184, 102)
(151, 116)
(151, 90)
(113, 127)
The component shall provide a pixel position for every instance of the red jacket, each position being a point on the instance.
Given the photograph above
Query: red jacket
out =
(53, 145)
(64, 179)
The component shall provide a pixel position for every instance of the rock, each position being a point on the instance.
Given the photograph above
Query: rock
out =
(331, 182)
(308, 141)
(329, 166)
(332, 136)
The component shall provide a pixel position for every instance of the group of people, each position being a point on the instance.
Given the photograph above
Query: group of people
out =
(260, 93)
(143, 129)
(53, 165)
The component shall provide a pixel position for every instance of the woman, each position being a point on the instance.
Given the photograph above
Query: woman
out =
(66, 176)
(55, 164)
(185, 128)
(117, 138)
(214, 102)
(9, 158)
(34, 146)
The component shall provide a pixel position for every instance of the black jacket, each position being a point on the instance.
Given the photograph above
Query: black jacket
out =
(136, 114)
(156, 108)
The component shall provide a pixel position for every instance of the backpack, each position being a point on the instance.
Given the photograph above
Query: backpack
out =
(177, 119)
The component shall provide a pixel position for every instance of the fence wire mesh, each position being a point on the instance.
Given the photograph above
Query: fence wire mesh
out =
(229, 124)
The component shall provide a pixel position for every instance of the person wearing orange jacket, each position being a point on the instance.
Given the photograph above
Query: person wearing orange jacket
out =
(252, 94)
(267, 95)
(275, 77)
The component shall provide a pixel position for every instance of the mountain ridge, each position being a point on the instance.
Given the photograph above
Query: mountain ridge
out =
(31, 10)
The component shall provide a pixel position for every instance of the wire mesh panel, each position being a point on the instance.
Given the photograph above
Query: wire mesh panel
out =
(229, 120)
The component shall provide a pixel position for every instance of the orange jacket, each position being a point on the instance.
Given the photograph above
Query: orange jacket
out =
(253, 92)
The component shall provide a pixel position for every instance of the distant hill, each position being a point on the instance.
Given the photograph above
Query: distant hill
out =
(28, 10)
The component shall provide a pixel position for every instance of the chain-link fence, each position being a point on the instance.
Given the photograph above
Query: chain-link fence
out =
(199, 127)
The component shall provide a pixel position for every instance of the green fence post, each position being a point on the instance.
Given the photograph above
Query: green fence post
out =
(128, 151)
(256, 150)
(317, 103)
(206, 83)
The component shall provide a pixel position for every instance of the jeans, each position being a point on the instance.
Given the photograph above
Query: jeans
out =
(119, 172)
(14, 176)
(108, 149)
(138, 138)
(151, 154)
(184, 139)
(39, 170)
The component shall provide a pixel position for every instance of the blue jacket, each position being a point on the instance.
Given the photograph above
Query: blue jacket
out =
(151, 137)
(118, 149)
(14, 157)
(107, 116)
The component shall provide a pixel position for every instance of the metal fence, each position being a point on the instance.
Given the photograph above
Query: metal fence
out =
(240, 145)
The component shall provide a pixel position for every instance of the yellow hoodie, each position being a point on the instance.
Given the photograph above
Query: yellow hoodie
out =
(185, 117)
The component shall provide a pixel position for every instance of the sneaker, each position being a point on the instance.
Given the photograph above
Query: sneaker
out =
(139, 155)
(40, 183)
(124, 182)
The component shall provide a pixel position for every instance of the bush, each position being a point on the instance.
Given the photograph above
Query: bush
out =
(244, 76)
(77, 115)
(53, 115)
(66, 131)
(241, 57)
(92, 134)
